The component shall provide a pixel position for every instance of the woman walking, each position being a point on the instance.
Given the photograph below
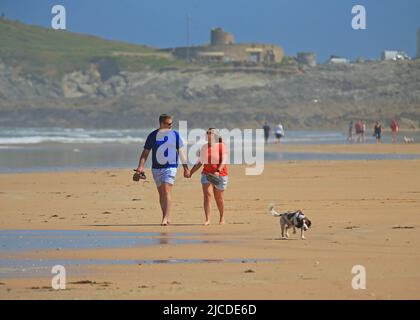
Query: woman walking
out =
(394, 130)
(214, 177)
(377, 132)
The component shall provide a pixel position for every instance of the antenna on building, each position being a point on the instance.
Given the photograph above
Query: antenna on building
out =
(418, 43)
(188, 36)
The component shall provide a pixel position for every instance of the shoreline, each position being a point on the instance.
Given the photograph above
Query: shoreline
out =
(76, 157)
(350, 148)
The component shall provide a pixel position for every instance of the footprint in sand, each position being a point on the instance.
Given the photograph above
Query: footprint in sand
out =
(40, 288)
(249, 271)
(83, 282)
(404, 227)
(103, 284)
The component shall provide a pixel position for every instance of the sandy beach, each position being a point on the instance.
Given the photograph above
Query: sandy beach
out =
(363, 212)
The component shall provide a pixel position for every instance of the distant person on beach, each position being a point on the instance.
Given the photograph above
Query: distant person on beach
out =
(165, 145)
(360, 131)
(394, 130)
(350, 135)
(213, 155)
(279, 132)
(377, 132)
(267, 130)
(363, 131)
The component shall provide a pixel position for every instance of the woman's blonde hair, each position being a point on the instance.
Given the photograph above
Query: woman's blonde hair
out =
(216, 134)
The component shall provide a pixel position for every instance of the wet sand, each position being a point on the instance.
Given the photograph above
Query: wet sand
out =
(363, 213)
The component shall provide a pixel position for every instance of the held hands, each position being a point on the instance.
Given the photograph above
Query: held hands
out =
(187, 173)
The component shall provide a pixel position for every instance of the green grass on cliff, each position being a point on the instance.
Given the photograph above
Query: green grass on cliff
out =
(33, 49)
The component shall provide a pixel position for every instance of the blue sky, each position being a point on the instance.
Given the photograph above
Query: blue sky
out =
(323, 26)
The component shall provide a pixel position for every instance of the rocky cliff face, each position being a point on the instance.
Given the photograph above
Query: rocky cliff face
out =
(15, 87)
(323, 97)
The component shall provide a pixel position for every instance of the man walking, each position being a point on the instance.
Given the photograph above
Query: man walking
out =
(377, 132)
(350, 135)
(279, 132)
(165, 145)
(267, 130)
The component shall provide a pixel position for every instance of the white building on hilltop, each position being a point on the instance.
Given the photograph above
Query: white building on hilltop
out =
(394, 55)
(338, 60)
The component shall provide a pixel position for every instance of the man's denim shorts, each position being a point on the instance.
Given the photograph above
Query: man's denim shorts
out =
(165, 175)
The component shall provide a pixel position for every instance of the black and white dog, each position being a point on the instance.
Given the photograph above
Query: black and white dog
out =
(408, 140)
(291, 219)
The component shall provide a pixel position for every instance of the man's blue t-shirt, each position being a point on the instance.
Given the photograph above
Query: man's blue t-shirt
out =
(164, 146)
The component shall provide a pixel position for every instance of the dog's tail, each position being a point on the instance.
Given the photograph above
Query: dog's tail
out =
(273, 212)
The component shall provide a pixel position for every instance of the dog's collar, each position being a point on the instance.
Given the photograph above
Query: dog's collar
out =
(298, 216)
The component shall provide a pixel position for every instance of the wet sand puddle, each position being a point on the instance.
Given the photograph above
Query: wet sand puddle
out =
(30, 240)
(28, 268)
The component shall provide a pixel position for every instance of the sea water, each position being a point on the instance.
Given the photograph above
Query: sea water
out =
(59, 149)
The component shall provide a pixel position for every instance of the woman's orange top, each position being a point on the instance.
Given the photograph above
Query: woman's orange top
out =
(211, 156)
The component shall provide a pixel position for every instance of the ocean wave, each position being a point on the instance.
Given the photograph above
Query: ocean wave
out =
(66, 139)
(33, 136)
